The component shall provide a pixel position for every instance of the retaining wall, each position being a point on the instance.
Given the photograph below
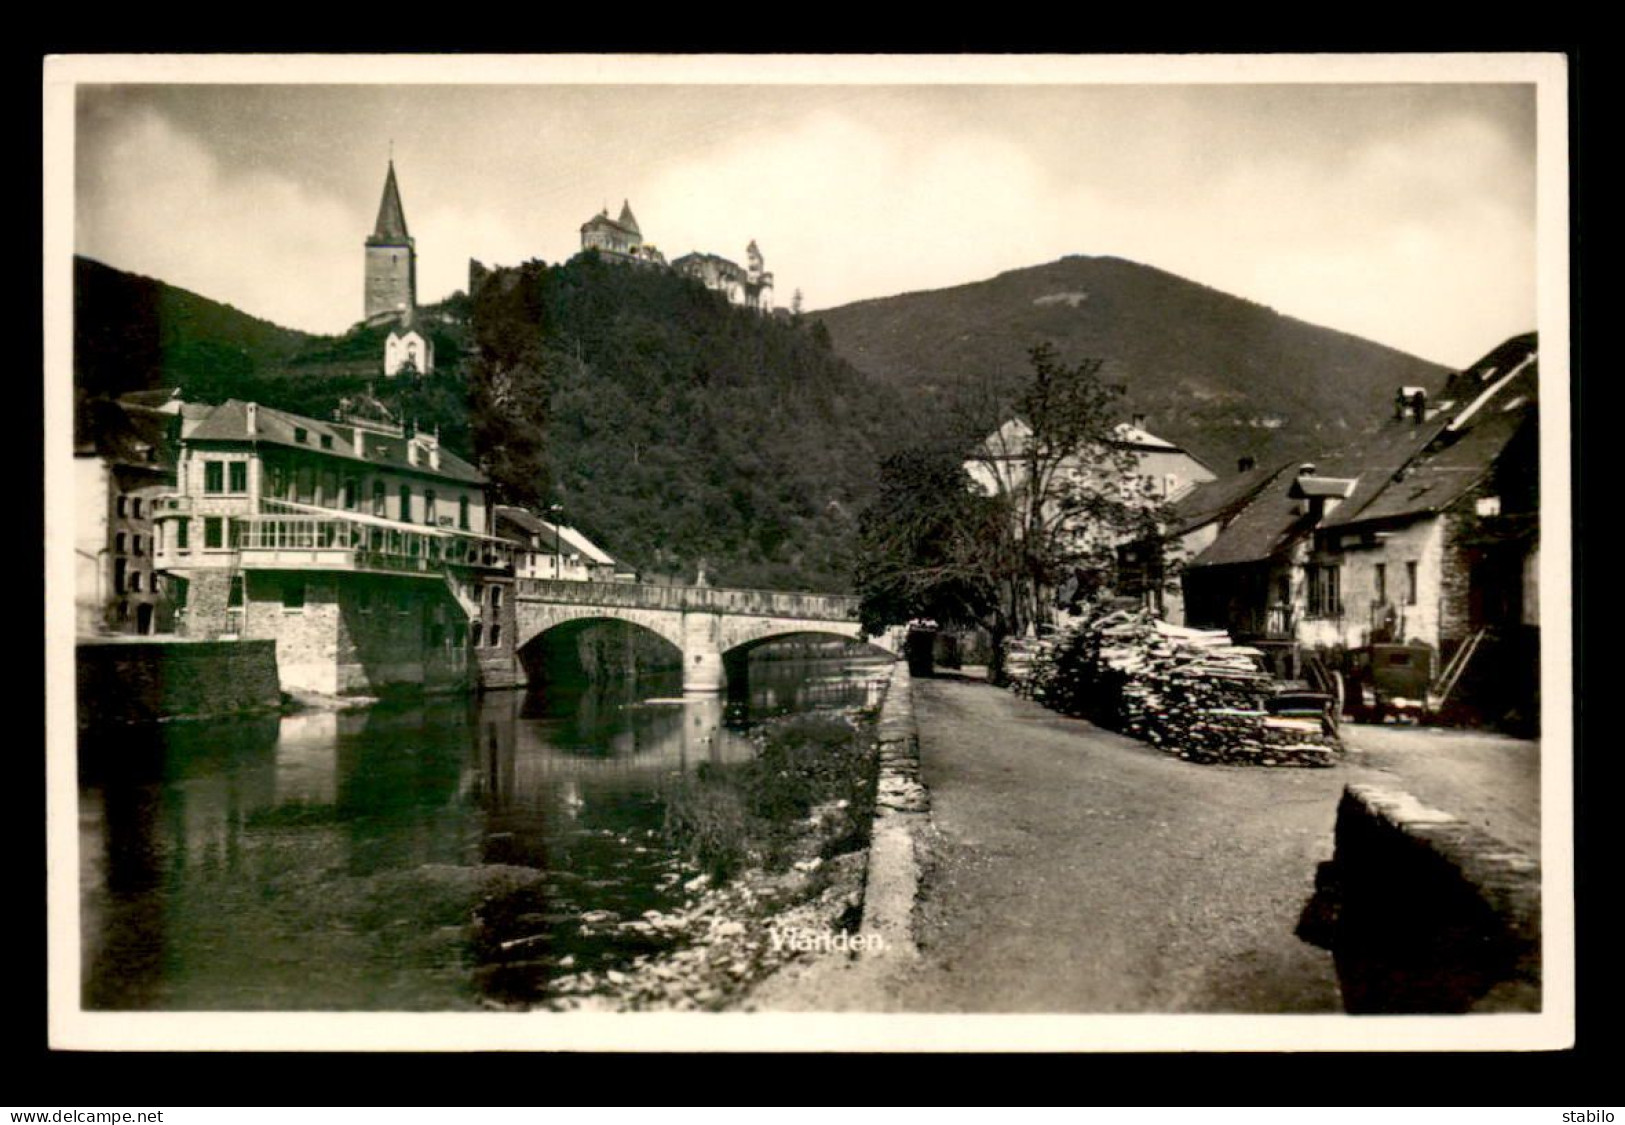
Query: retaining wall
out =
(1426, 913)
(142, 680)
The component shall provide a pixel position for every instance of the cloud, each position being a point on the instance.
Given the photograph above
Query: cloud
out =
(157, 202)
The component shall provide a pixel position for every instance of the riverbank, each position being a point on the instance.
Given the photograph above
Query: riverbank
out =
(776, 850)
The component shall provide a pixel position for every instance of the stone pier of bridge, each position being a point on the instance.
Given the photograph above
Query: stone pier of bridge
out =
(706, 623)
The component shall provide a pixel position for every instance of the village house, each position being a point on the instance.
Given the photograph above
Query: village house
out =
(123, 461)
(1424, 534)
(408, 350)
(361, 547)
(1158, 472)
(546, 549)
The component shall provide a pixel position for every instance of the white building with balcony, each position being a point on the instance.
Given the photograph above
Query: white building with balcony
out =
(362, 548)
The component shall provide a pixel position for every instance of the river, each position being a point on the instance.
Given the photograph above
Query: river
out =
(443, 855)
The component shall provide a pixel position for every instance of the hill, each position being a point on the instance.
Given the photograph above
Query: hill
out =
(1218, 374)
(674, 428)
(134, 333)
(679, 429)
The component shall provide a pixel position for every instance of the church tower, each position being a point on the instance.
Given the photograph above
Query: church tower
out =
(392, 262)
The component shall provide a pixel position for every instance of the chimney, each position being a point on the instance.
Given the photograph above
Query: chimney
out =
(360, 443)
(1412, 401)
(1419, 405)
(253, 410)
(434, 457)
(1245, 464)
(1139, 421)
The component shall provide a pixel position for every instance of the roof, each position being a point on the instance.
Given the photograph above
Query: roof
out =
(1219, 499)
(124, 434)
(1010, 439)
(1404, 470)
(390, 229)
(628, 221)
(544, 532)
(228, 423)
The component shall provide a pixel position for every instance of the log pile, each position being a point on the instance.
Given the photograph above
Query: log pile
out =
(1191, 692)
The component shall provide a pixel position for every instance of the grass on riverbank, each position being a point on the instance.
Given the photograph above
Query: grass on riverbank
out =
(727, 818)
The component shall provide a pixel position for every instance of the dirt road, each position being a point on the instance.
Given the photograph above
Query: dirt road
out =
(1074, 870)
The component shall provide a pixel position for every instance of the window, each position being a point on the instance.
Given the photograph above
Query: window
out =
(496, 598)
(378, 498)
(305, 484)
(462, 512)
(330, 489)
(327, 441)
(214, 476)
(183, 535)
(119, 567)
(135, 507)
(428, 506)
(181, 586)
(496, 634)
(234, 596)
(406, 503)
(352, 493)
(277, 482)
(158, 539)
(293, 596)
(120, 543)
(135, 545)
(135, 582)
(301, 435)
(238, 477)
(1325, 597)
(1410, 583)
(1382, 583)
(474, 634)
(213, 539)
(123, 506)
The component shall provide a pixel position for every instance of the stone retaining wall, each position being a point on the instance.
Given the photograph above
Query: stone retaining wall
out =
(145, 680)
(901, 807)
(1426, 913)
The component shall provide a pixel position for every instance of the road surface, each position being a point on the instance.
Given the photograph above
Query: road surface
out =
(1070, 869)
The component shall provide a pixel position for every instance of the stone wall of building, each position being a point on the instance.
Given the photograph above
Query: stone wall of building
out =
(146, 680)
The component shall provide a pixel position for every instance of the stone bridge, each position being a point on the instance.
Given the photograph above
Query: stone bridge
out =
(704, 622)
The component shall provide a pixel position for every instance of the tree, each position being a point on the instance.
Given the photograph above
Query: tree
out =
(1036, 509)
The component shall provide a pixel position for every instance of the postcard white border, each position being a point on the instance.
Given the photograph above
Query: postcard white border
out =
(70, 1027)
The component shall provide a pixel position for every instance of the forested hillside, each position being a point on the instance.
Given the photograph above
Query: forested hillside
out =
(1218, 374)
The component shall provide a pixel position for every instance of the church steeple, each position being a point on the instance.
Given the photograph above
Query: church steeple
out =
(627, 219)
(392, 265)
(390, 230)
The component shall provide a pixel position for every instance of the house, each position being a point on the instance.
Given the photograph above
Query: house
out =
(1426, 533)
(123, 460)
(362, 547)
(1198, 516)
(554, 550)
(750, 285)
(1154, 471)
(408, 350)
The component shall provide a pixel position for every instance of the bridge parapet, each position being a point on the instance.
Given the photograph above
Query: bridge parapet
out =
(714, 599)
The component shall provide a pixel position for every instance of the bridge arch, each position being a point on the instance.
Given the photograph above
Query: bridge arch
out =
(551, 645)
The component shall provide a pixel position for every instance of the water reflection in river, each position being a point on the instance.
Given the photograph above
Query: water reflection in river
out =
(333, 860)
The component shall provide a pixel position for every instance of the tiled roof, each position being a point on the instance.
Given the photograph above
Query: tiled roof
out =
(1405, 469)
(1219, 499)
(228, 422)
(544, 531)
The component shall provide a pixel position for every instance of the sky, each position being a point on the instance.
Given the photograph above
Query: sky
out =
(1404, 213)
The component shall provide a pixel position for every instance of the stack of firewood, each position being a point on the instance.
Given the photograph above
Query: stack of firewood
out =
(1191, 692)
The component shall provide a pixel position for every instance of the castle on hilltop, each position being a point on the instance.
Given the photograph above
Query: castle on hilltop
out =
(621, 240)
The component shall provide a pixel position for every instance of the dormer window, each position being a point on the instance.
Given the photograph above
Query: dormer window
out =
(327, 441)
(301, 435)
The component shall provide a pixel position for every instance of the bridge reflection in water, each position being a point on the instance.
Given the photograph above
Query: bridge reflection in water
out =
(280, 863)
